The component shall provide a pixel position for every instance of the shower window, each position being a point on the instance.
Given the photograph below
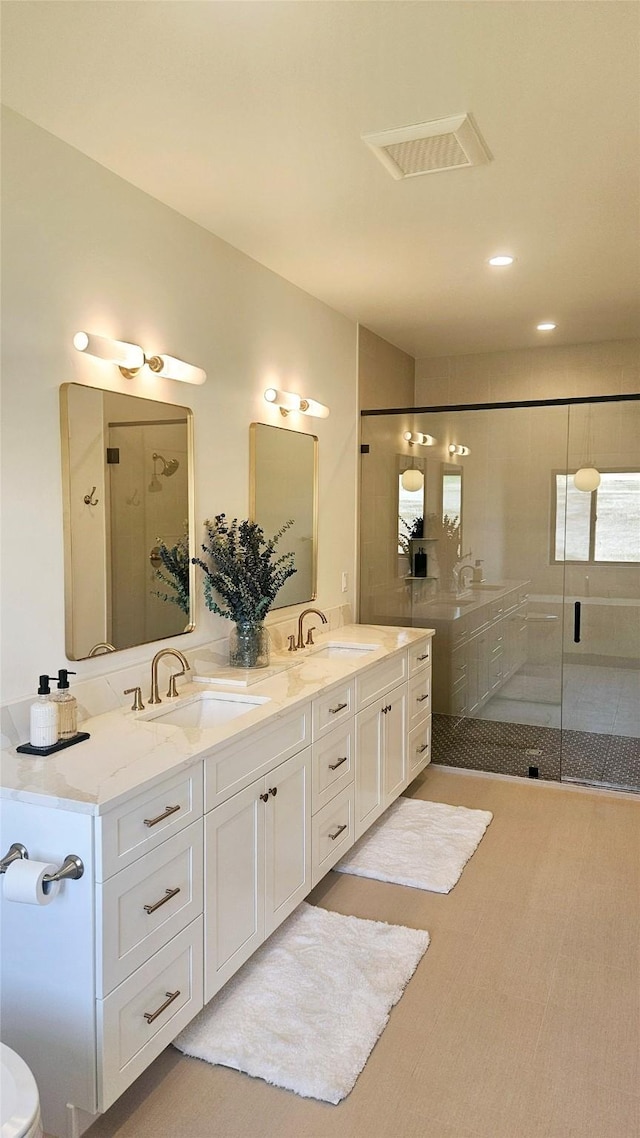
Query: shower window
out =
(598, 527)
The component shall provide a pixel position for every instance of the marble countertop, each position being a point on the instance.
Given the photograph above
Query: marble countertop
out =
(127, 752)
(443, 607)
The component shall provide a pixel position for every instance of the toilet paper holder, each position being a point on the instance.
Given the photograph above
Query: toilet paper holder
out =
(71, 869)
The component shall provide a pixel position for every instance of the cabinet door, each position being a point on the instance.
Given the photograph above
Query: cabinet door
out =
(287, 815)
(395, 743)
(369, 755)
(234, 876)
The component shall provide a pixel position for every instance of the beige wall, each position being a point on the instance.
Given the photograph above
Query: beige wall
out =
(385, 374)
(83, 249)
(610, 367)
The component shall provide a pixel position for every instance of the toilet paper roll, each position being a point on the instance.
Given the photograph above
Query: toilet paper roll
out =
(24, 882)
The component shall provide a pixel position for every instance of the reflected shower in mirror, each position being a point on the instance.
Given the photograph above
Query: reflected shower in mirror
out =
(128, 495)
(284, 485)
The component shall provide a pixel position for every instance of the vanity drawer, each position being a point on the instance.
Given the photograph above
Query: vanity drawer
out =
(168, 881)
(332, 833)
(419, 748)
(419, 656)
(127, 1041)
(376, 681)
(233, 767)
(332, 707)
(144, 822)
(332, 765)
(419, 705)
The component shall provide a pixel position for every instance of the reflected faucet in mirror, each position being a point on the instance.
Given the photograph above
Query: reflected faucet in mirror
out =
(100, 649)
(461, 581)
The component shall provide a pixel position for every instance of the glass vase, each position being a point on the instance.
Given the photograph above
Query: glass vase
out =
(249, 646)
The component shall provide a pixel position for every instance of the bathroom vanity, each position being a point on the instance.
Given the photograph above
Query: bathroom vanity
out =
(201, 824)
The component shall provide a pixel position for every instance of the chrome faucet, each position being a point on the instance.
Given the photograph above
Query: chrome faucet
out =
(300, 640)
(461, 581)
(154, 697)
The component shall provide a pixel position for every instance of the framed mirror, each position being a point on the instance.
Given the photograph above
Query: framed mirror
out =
(127, 466)
(451, 507)
(283, 480)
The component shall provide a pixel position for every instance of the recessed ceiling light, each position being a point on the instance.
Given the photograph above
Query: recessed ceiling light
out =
(501, 259)
(546, 326)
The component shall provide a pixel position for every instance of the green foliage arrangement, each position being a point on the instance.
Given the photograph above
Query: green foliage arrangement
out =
(175, 572)
(242, 569)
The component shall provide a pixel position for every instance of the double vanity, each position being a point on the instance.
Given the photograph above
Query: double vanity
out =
(202, 822)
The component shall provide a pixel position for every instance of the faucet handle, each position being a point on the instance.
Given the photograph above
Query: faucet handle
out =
(173, 691)
(292, 644)
(137, 704)
(310, 633)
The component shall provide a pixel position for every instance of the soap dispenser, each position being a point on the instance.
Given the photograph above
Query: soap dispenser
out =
(478, 575)
(420, 563)
(43, 717)
(67, 706)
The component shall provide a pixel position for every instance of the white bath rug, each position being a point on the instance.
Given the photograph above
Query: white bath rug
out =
(305, 1012)
(422, 844)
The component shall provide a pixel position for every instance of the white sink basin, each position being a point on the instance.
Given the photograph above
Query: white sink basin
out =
(341, 651)
(207, 709)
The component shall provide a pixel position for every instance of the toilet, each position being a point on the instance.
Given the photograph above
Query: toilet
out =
(19, 1103)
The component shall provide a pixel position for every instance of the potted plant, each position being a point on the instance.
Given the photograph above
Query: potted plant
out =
(242, 576)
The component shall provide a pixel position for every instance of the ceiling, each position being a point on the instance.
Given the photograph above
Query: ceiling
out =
(247, 118)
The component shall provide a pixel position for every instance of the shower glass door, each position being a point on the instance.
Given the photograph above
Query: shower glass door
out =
(597, 532)
(524, 682)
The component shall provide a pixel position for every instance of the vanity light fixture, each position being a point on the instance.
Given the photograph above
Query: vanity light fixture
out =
(130, 358)
(456, 448)
(501, 260)
(417, 437)
(114, 351)
(546, 326)
(288, 401)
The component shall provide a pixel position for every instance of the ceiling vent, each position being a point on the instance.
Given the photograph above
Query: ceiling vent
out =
(428, 147)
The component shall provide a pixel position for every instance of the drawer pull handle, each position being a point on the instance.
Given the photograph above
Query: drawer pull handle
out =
(335, 710)
(171, 996)
(334, 766)
(168, 894)
(338, 832)
(425, 657)
(421, 698)
(161, 817)
(264, 797)
(424, 747)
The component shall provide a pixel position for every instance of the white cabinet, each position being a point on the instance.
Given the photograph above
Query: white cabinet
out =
(257, 858)
(125, 957)
(381, 749)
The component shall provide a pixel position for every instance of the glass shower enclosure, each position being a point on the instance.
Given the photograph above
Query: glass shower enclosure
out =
(513, 530)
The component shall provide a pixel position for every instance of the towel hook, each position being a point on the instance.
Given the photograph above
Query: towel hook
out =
(89, 499)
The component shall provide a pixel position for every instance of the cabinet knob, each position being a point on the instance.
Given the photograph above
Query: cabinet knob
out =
(273, 790)
(264, 797)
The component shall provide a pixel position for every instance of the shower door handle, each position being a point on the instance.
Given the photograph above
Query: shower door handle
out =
(576, 622)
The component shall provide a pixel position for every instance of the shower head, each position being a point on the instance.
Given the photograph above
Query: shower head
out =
(168, 467)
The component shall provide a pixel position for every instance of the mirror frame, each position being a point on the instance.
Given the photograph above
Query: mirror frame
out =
(252, 501)
(66, 516)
